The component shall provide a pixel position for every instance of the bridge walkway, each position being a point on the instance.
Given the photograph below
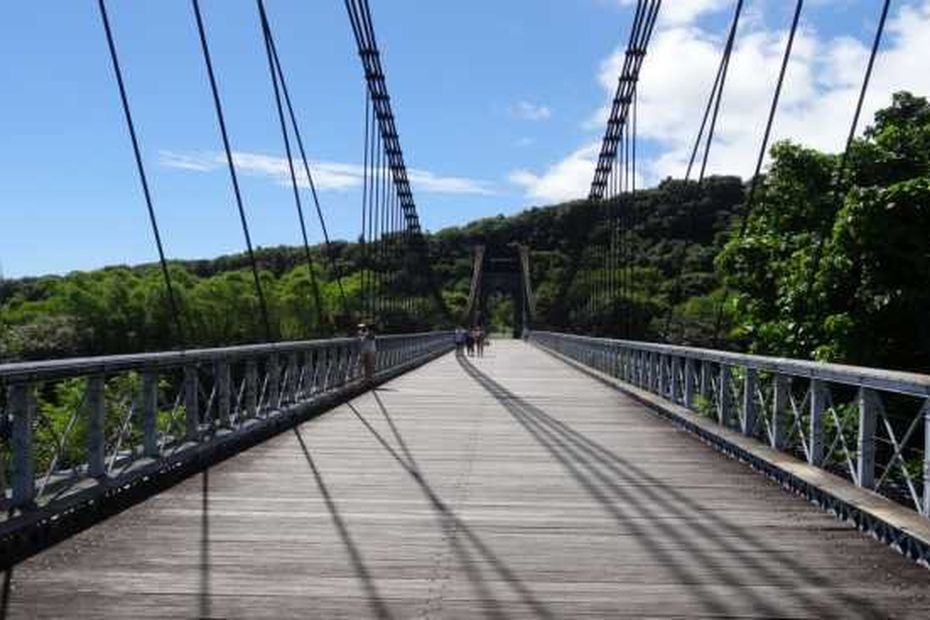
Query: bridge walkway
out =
(508, 486)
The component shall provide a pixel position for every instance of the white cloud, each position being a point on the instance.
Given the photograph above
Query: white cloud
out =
(816, 106)
(817, 101)
(529, 111)
(327, 175)
(566, 180)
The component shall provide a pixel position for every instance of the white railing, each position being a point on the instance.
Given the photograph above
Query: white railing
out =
(77, 424)
(868, 425)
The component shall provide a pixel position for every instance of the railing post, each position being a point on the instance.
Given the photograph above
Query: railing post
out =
(868, 418)
(223, 392)
(926, 498)
(326, 362)
(705, 381)
(749, 401)
(149, 409)
(191, 403)
(818, 404)
(688, 394)
(22, 408)
(779, 409)
(677, 385)
(661, 387)
(723, 396)
(251, 388)
(292, 370)
(274, 382)
(95, 408)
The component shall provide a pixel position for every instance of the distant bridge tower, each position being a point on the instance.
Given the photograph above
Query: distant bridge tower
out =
(501, 270)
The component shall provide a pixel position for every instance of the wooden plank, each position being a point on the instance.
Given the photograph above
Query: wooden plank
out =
(508, 486)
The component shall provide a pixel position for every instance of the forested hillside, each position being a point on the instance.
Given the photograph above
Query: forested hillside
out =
(122, 309)
(829, 269)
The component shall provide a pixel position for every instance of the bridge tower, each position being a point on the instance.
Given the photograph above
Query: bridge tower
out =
(501, 269)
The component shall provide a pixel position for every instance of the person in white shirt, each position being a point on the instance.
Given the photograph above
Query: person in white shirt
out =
(368, 351)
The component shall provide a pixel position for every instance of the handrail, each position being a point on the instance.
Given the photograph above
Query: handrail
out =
(18, 372)
(860, 376)
(126, 413)
(869, 425)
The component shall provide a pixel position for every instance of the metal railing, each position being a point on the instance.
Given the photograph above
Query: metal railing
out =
(76, 424)
(867, 425)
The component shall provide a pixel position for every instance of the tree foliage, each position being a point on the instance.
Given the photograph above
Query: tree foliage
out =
(863, 300)
(833, 265)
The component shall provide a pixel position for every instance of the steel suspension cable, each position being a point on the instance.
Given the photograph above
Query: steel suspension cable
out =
(763, 149)
(361, 22)
(372, 184)
(143, 179)
(364, 245)
(716, 99)
(601, 283)
(306, 166)
(838, 181)
(632, 207)
(707, 108)
(385, 230)
(378, 233)
(723, 78)
(317, 300)
(263, 306)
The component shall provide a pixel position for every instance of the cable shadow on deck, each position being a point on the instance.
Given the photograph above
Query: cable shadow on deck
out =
(584, 459)
(452, 524)
(204, 599)
(448, 523)
(7, 592)
(396, 432)
(7, 586)
(374, 598)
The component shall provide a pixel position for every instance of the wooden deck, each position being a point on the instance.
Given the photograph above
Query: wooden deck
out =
(509, 486)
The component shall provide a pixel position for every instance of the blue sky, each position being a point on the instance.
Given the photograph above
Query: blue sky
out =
(499, 106)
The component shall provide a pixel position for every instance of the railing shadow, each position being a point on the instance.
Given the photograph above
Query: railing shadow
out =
(375, 600)
(585, 460)
(452, 525)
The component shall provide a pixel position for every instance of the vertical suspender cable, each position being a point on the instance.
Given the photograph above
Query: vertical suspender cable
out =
(723, 78)
(376, 220)
(710, 103)
(263, 306)
(166, 274)
(317, 300)
(334, 267)
(364, 249)
(632, 204)
(716, 98)
(372, 172)
(385, 229)
(754, 182)
(841, 169)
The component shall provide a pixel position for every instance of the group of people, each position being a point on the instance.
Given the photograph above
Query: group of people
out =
(473, 340)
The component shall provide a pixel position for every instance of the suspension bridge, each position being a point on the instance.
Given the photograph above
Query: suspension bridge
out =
(558, 475)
